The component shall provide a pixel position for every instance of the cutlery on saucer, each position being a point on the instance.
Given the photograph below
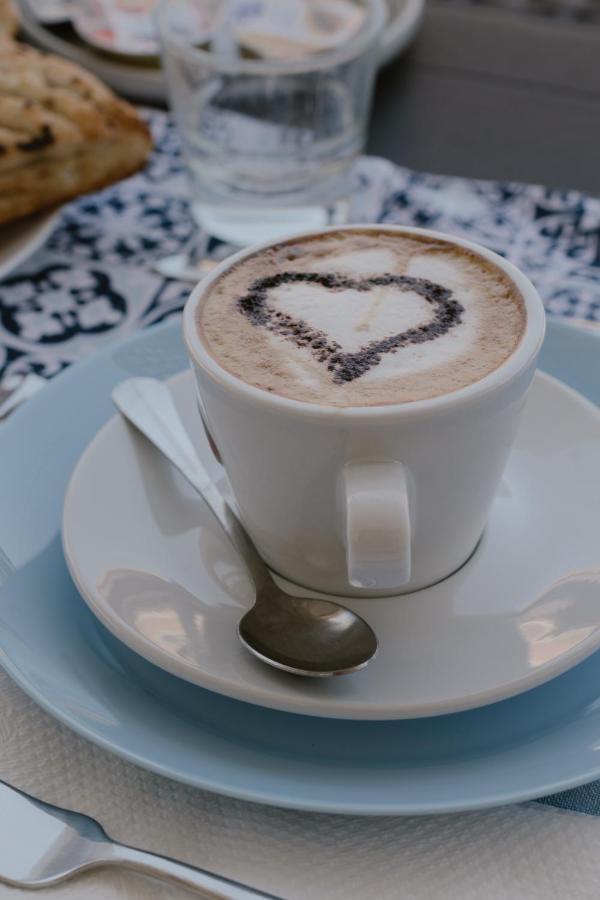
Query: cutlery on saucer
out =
(190, 264)
(301, 635)
(193, 261)
(41, 845)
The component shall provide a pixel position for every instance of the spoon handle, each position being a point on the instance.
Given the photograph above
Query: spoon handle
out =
(147, 403)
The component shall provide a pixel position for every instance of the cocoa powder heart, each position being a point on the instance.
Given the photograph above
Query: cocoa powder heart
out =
(447, 313)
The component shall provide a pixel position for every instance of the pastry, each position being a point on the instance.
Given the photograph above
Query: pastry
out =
(62, 132)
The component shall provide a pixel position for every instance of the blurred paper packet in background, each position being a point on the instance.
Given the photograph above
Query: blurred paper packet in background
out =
(265, 26)
(269, 29)
(117, 26)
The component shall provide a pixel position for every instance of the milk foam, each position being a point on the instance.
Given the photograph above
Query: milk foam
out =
(290, 336)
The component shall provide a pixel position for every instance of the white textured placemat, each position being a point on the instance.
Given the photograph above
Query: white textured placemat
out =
(520, 852)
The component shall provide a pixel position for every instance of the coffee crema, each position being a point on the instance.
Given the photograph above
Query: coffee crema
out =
(362, 318)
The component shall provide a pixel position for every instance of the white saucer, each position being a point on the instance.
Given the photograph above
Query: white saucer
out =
(155, 568)
(20, 239)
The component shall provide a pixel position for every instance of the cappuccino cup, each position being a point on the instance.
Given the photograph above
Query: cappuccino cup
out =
(362, 386)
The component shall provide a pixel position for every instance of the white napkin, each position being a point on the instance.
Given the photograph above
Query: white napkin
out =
(520, 852)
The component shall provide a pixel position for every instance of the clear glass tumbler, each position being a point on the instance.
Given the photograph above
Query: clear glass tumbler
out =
(269, 142)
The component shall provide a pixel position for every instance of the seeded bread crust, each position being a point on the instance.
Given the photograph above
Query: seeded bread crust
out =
(62, 132)
(9, 21)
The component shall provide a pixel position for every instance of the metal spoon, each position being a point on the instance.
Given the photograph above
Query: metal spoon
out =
(297, 634)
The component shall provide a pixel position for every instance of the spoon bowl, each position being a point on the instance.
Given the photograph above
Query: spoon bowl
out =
(307, 636)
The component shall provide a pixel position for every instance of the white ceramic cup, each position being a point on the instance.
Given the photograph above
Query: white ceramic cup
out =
(366, 500)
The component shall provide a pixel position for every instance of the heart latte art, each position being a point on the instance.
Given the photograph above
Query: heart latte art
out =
(354, 318)
(344, 365)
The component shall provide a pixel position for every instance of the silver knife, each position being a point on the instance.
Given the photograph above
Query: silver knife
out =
(41, 845)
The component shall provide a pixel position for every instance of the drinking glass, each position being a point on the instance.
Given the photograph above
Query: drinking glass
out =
(268, 142)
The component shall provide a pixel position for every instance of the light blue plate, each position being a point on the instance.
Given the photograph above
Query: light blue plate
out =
(543, 741)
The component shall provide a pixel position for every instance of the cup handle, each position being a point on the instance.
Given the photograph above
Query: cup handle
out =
(377, 525)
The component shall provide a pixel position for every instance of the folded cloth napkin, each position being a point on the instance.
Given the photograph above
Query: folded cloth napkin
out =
(92, 284)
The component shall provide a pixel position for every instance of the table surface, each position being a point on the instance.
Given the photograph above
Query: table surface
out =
(489, 93)
(485, 94)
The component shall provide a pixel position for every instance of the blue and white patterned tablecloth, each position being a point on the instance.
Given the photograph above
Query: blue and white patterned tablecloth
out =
(92, 283)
